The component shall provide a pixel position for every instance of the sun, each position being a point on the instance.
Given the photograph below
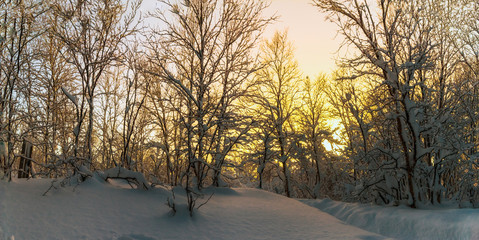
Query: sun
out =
(336, 127)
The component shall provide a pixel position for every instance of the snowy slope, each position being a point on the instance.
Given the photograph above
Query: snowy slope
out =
(403, 222)
(95, 210)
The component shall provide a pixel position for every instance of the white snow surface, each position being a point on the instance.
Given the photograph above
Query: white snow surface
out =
(403, 222)
(100, 210)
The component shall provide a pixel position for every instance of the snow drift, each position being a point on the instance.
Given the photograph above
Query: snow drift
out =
(403, 222)
(100, 210)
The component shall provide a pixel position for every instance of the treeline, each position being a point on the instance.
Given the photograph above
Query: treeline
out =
(200, 99)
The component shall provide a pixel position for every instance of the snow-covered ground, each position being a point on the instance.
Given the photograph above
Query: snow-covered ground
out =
(403, 222)
(97, 210)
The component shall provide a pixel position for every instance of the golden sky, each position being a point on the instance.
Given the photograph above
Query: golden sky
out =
(315, 38)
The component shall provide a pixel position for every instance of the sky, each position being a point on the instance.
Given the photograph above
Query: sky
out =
(315, 38)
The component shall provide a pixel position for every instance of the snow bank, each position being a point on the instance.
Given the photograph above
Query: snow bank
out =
(99, 210)
(403, 222)
(122, 173)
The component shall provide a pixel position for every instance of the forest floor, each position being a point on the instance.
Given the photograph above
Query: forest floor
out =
(99, 210)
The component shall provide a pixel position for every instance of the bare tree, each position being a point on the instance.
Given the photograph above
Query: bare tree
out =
(275, 96)
(312, 119)
(171, 140)
(109, 120)
(18, 30)
(50, 72)
(136, 88)
(205, 56)
(404, 53)
(92, 32)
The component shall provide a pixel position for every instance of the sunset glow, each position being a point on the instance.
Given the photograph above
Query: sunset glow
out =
(239, 119)
(315, 39)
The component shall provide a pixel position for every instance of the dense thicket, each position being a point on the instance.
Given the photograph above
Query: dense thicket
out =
(406, 99)
(200, 100)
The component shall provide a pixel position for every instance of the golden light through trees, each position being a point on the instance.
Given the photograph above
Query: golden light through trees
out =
(315, 43)
(230, 92)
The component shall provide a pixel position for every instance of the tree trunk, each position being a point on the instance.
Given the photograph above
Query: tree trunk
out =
(286, 179)
(25, 168)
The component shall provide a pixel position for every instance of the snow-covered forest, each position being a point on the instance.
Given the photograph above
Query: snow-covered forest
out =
(200, 99)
